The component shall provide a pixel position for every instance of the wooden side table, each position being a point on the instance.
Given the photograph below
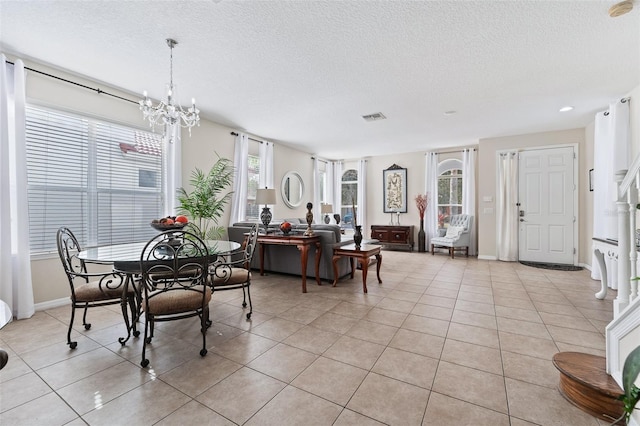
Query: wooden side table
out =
(302, 242)
(362, 255)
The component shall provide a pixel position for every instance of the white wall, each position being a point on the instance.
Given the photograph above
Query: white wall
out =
(632, 340)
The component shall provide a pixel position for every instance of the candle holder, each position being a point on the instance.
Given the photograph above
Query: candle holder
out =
(309, 231)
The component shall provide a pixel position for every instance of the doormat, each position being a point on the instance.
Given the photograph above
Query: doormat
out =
(554, 266)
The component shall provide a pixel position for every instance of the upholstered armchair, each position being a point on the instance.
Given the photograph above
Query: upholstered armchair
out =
(457, 236)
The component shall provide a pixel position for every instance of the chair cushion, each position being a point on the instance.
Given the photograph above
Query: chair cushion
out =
(454, 231)
(229, 276)
(176, 301)
(91, 292)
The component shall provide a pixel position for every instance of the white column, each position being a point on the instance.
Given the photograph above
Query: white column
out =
(622, 299)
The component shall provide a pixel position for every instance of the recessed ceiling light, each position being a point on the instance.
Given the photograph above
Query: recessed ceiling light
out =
(450, 112)
(566, 108)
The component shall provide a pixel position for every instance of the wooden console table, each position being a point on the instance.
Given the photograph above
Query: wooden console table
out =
(302, 243)
(393, 235)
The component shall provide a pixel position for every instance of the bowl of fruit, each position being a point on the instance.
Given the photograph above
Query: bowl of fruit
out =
(285, 227)
(169, 223)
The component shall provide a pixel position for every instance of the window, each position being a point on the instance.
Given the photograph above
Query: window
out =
(101, 180)
(253, 210)
(349, 197)
(449, 190)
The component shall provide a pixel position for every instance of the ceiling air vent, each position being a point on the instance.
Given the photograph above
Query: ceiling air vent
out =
(374, 117)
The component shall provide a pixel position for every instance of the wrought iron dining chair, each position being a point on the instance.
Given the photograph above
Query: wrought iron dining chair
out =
(235, 272)
(174, 267)
(89, 289)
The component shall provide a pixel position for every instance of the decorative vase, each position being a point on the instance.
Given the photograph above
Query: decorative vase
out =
(421, 237)
(337, 218)
(357, 236)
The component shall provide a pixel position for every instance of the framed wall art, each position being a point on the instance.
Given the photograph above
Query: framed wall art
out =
(394, 180)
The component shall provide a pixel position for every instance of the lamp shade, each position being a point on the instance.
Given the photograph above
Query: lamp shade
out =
(326, 208)
(265, 196)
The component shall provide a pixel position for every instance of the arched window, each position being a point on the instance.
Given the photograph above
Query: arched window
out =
(349, 197)
(449, 190)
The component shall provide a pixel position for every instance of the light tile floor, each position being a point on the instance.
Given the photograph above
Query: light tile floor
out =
(441, 341)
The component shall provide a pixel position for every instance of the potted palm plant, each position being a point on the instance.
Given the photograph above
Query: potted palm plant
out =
(205, 203)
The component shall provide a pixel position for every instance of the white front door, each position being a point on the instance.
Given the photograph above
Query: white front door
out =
(546, 195)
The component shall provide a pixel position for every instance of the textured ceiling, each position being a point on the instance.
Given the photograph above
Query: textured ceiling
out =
(304, 72)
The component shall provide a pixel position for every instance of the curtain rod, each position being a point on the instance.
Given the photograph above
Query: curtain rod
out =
(319, 159)
(97, 90)
(623, 101)
(451, 152)
(251, 139)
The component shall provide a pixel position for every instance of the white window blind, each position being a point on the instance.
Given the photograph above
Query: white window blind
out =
(101, 180)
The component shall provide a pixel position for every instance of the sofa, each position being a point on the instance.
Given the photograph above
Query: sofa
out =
(286, 259)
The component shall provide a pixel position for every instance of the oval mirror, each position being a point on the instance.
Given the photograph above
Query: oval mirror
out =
(292, 189)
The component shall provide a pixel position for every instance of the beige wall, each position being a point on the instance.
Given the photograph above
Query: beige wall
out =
(415, 164)
(210, 138)
(199, 150)
(286, 159)
(487, 186)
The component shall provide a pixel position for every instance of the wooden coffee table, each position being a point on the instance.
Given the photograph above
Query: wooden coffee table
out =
(362, 254)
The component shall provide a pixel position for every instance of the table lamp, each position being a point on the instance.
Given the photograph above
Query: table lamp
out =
(265, 196)
(325, 209)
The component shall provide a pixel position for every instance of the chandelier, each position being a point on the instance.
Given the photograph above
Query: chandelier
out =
(168, 112)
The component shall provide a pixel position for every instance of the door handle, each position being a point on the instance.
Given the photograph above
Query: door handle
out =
(522, 220)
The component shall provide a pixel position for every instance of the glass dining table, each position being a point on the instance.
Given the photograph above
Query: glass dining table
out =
(125, 259)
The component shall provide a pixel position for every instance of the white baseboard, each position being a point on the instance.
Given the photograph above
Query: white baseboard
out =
(484, 257)
(50, 304)
(585, 266)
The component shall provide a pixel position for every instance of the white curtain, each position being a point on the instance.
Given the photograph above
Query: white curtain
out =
(240, 179)
(15, 261)
(266, 164)
(330, 188)
(173, 167)
(337, 188)
(361, 214)
(431, 189)
(316, 191)
(469, 194)
(507, 240)
(611, 152)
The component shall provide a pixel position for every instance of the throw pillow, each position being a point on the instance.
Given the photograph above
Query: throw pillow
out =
(454, 231)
